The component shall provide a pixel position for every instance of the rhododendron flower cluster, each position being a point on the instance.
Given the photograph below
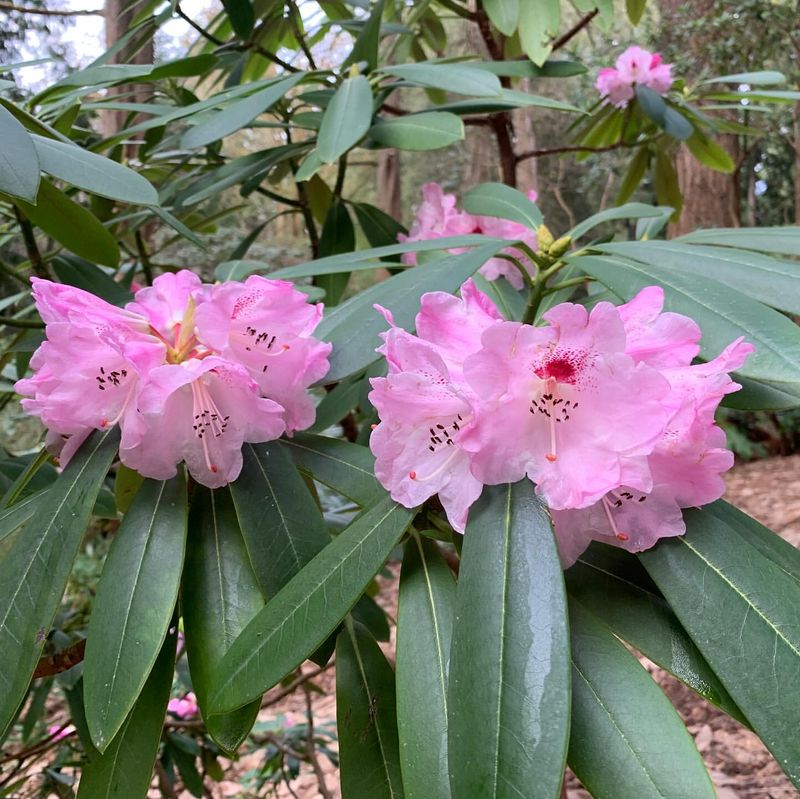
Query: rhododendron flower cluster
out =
(635, 66)
(189, 371)
(438, 217)
(184, 707)
(603, 410)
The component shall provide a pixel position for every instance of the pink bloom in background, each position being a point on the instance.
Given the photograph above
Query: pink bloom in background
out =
(185, 707)
(189, 371)
(438, 217)
(60, 731)
(602, 410)
(634, 66)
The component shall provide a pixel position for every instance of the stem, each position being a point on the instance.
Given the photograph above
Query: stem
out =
(61, 661)
(31, 324)
(340, 176)
(574, 30)
(201, 30)
(311, 751)
(147, 266)
(50, 12)
(566, 284)
(10, 497)
(6, 269)
(526, 275)
(579, 148)
(35, 257)
(279, 198)
(534, 298)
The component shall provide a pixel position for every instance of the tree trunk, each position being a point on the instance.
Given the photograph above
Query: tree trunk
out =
(797, 163)
(119, 15)
(524, 140)
(388, 191)
(710, 199)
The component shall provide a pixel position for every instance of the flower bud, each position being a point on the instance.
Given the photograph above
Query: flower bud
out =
(545, 238)
(560, 246)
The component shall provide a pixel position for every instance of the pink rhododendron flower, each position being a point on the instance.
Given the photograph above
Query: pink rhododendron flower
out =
(438, 217)
(602, 410)
(425, 406)
(634, 66)
(185, 707)
(189, 371)
(57, 732)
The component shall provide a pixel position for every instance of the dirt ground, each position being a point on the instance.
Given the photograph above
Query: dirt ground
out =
(740, 766)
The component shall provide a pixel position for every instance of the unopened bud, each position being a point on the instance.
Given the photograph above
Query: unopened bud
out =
(545, 238)
(560, 246)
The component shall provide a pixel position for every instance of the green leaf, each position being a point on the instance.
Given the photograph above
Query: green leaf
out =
(760, 78)
(539, 21)
(460, 78)
(368, 41)
(743, 612)
(708, 152)
(238, 270)
(338, 236)
(220, 597)
(651, 103)
(124, 770)
(429, 130)
(635, 9)
(617, 589)
(424, 631)
(506, 100)
(768, 280)
(135, 601)
(284, 529)
(308, 608)
(11, 519)
(379, 228)
(34, 573)
(497, 199)
(504, 14)
(75, 271)
(628, 211)
(347, 468)
(779, 240)
(241, 15)
(621, 717)
(19, 163)
(722, 313)
(93, 172)
(509, 301)
(508, 693)
(354, 327)
(355, 260)
(126, 484)
(637, 168)
(346, 120)
(72, 225)
(366, 719)
(239, 114)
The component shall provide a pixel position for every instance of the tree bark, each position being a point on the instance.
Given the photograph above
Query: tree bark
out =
(388, 191)
(797, 163)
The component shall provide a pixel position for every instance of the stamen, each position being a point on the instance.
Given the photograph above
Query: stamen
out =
(206, 417)
(552, 385)
(618, 534)
(437, 471)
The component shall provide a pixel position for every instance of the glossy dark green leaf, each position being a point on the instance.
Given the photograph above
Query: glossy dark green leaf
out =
(72, 225)
(635, 9)
(124, 770)
(354, 326)
(308, 608)
(220, 597)
(280, 522)
(371, 615)
(93, 172)
(614, 586)
(34, 573)
(743, 612)
(238, 114)
(19, 163)
(457, 78)
(497, 199)
(366, 45)
(627, 211)
(135, 602)
(428, 130)
(769, 280)
(126, 483)
(346, 120)
(779, 240)
(241, 15)
(347, 468)
(722, 312)
(508, 693)
(369, 759)
(634, 174)
(424, 632)
(708, 152)
(506, 100)
(504, 14)
(626, 738)
(338, 236)
(336, 404)
(84, 275)
(19, 513)
(509, 301)
(379, 228)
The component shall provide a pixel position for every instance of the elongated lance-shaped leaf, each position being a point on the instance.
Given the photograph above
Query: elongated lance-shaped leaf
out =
(347, 118)
(344, 467)
(220, 596)
(19, 513)
(369, 757)
(497, 199)
(308, 608)
(124, 770)
(284, 529)
(424, 632)
(34, 573)
(626, 738)
(19, 163)
(134, 604)
(508, 692)
(617, 589)
(743, 612)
